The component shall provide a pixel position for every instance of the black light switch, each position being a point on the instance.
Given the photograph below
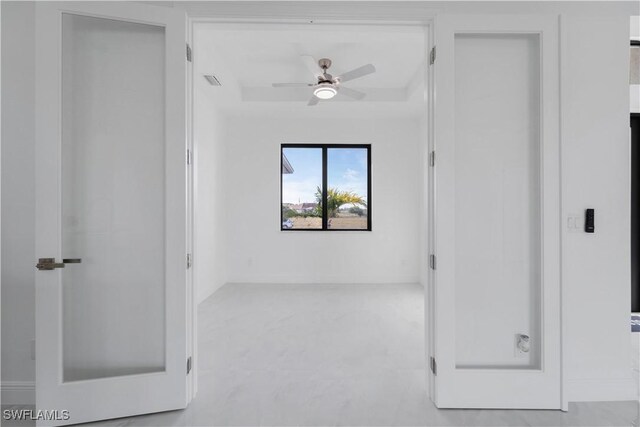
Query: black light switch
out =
(589, 221)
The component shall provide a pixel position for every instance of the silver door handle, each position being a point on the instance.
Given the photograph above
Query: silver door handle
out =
(48, 264)
(51, 264)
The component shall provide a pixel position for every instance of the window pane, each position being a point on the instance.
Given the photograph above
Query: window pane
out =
(301, 188)
(347, 204)
(634, 74)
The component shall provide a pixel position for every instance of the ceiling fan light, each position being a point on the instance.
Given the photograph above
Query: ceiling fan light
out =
(325, 92)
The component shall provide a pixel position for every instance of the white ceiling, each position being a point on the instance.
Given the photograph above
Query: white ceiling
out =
(248, 58)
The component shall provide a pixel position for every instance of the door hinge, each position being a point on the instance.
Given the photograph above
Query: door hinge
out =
(189, 53)
(432, 158)
(433, 365)
(432, 261)
(189, 261)
(432, 56)
(188, 365)
(189, 159)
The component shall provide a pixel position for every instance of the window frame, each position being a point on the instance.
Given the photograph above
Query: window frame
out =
(325, 148)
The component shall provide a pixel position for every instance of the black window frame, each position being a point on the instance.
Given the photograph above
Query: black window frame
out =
(325, 148)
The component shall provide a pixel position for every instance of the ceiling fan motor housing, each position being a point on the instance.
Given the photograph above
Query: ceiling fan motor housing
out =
(324, 63)
(325, 77)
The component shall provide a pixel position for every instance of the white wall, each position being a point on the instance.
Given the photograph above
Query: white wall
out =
(595, 174)
(18, 203)
(210, 212)
(259, 252)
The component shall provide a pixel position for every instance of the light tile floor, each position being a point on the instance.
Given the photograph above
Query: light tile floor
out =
(332, 355)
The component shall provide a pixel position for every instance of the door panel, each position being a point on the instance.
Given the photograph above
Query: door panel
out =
(111, 200)
(497, 212)
(112, 197)
(497, 198)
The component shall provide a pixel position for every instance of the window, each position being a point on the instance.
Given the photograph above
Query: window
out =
(325, 187)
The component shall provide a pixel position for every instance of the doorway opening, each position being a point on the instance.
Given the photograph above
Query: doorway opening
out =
(254, 90)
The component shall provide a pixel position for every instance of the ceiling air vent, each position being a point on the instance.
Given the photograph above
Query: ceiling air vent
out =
(213, 80)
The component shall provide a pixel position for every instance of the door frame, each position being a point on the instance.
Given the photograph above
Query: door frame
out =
(427, 20)
(322, 19)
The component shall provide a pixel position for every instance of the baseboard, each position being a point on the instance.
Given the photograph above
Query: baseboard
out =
(18, 392)
(602, 390)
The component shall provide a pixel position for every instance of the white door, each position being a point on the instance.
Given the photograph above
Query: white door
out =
(111, 326)
(496, 276)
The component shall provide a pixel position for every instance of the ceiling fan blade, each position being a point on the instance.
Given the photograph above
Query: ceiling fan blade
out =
(351, 93)
(358, 72)
(291, 84)
(313, 101)
(312, 65)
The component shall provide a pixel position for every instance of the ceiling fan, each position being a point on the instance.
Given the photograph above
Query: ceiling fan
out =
(328, 86)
